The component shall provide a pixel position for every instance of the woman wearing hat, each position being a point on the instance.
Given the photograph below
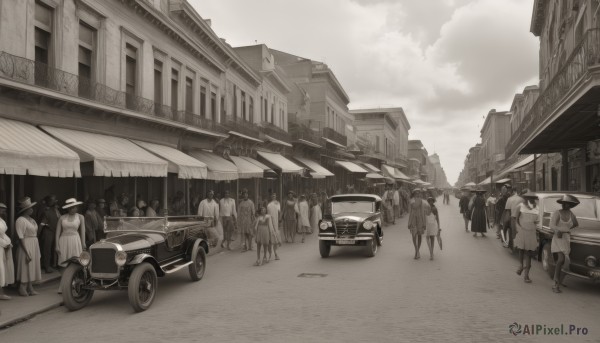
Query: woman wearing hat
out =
(29, 268)
(416, 220)
(561, 222)
(7, 272)
(527, 218)
(70, 232)
(479, 221)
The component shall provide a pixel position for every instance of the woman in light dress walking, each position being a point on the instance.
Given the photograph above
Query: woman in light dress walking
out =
(70, 233)
(274, 210)
(432, 225)
(303, 217)
(416, 220)
(264, 230)
(562, 222)
(527, 214)
(29, 268)
(246, 218)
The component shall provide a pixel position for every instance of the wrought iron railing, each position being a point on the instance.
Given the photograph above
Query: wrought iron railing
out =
(303, 131)
(198, 121)
(274, 131)
(335, 136)
(585, 55)
(241, 125)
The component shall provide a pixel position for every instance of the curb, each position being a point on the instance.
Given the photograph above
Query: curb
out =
(28, 316)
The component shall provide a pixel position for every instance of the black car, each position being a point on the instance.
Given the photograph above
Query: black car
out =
(355, 220)
(135, 252)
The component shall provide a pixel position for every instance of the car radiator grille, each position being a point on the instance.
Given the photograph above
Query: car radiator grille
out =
(103, 261)
(346, 228)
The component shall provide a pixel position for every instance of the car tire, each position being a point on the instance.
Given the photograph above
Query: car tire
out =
(324, 248)
(548, 260)
(372, 247)
(142, 286)
(198, 259)
(74, 297)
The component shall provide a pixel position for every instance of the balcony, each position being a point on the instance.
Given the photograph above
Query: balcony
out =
(275, 131)
(241, 125)
(303, 131)
(335, 136)
(577, 70)
(198, 121)
(39, 74)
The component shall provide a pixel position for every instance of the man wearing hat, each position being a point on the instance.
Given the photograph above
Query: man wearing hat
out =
(210, 208)
(48, 224)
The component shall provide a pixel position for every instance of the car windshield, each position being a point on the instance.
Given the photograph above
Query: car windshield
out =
(135, 224)
(353, 206)
(585, 209)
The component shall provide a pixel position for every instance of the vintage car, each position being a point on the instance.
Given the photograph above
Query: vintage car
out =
(355, 220)
(585, 239)
(134, 253)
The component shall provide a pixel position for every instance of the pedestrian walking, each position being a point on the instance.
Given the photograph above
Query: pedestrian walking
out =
(303, 217)
(562, 222)
(463, 204)
(479, 221)
(490, 204)
(388, 203)
(432, 225)
(263, 228)
(405, 199)
(70, 234)
(209, 208)
(316, 214)
(7, 271)
(228, 214)
(29, 269)
(526, 241)
(274, 210)
(499, 210)
(416, 220)
(396, 199)
(246, 218)
(290, 214)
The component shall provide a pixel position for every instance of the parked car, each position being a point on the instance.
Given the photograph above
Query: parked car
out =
(585, 239)
(135, 252)
(355, 220)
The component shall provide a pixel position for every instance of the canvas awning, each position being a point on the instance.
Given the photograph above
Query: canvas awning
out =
(375, 176)
(394, 173)
(520, 164)
(280, 162)
(485, 182)
(246, 169)
(111, 156)
(371, 167)
(268, 173)
(219, 169)
(318, 171)
(277, 141)
(235, 133)
(400, 175)
(311, 144)
(502, 181)
(26, 150)
(333, 142)
(185, 166)
(351, 167)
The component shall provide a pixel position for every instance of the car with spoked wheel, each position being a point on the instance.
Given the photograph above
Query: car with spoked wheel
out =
(134, 254)
(355, 220)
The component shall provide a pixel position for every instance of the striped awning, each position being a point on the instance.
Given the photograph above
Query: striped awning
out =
(318, 171)
(246, 169)
(26, 150)
(185, 166)
(219, 169)
(111, 156)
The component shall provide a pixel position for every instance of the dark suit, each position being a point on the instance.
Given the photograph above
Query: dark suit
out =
(48, 236)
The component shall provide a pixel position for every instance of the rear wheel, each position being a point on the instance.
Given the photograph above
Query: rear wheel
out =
(548, 260)
(198, 259)
(372, 247)
(74, 295)
(142, 287)
(324, 248)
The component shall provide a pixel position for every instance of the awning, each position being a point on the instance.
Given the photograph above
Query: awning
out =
(246, 169)
(219, 169)
(318, 172)
(470, 184)
(375, 176)
(277, 141)
(351, 167)
(280, 162)
(502, 181)
(235, 133)
(311, 144)
(333, 142)
(520, 164)
(268, 173)
(372, 167)
(24, 149)
(112, 156)
(345, 154)
(401, 175)
(420, 182)
(184, 165)
(485, 182)
(394, 172)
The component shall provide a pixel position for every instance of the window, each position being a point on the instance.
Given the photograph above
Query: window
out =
(213, 106)
(174, 90)
(251, 110)
(43, 42)
(158, 83)
(243, 96)
(87, 48)
(272, 113)
(130, 75)
(189, 95)
(203, 101)
(262, 115)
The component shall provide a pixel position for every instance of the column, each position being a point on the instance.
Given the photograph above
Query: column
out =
(564, 174)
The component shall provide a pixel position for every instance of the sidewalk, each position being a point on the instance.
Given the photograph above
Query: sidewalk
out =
(20, 308)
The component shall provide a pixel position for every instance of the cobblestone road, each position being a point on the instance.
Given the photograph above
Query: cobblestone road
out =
(469, 293)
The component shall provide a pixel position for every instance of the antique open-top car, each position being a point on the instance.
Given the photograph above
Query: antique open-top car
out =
(134, 253)
(355, 220)
(585, 239)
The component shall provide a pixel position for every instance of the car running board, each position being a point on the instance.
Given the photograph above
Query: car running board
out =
(173, 267)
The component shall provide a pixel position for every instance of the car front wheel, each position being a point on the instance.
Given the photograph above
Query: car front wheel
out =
(142, 287)
(324, 248)
(198, 260)
(75, 297)
(548, 260)
(372, 247)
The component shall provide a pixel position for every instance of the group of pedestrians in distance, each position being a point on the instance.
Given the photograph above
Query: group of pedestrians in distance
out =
(520, 211)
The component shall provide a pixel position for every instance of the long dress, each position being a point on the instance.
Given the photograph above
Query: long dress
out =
(69, 242)
(245, 217)
(303, 221)
(416, 218)
(478, 216)
(27, 231)
(7, 269)
(526, 238)
(264, 229)
(289, 216)
(315, 215)
(273, 210)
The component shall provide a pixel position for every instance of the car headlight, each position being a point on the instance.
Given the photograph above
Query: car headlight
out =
(324, 225)
(120, 258)
(85, 258)
(591, 261)
(368, 225)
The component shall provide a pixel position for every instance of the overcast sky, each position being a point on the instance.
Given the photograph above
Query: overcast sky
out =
(446, 62)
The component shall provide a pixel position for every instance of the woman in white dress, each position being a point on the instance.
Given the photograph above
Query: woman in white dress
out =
(316, 214)
(70, 233)
(274, 210)
(7, 272)
(561, 222)
(527, 214)
(432, 225)
(29, 268)
(303, 221)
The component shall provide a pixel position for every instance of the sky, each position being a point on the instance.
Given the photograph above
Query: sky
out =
(447, 63)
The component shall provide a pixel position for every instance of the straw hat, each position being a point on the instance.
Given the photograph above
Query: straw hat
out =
(71, 202)
(568, 199)
(3, 206)
(530, 195)
(479, 190)
(25, 203)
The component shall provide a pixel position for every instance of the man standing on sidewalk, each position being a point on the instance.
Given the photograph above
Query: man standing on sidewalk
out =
(48, 224)
(209, 208)
(228, 218)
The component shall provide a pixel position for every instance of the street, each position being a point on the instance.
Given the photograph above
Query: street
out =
(468, 293)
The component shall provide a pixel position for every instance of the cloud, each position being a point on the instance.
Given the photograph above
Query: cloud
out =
(446, 62)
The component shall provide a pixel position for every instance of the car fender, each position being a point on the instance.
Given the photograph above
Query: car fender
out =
(192, 242)
(137, 259)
